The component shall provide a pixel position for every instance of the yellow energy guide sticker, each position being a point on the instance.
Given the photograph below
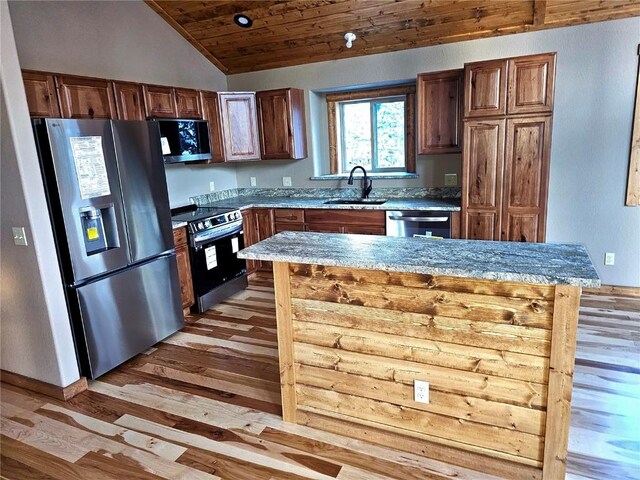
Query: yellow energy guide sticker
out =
(92, 233)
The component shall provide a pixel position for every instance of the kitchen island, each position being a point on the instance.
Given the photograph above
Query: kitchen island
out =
(491, 326)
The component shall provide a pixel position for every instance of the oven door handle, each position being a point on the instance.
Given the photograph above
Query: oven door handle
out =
(198, 241)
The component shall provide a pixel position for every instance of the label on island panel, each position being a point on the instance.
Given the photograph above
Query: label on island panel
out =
(211, 257)
(91, 170)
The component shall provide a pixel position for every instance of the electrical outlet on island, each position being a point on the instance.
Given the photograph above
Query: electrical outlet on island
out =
(421, 391)
(286, 181)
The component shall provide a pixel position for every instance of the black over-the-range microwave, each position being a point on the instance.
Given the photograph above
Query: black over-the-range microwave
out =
(184, 140)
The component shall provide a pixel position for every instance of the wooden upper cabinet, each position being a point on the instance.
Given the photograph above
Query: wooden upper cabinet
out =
(128, 100)
(239, 126)
(42, 98)
(188, 103)
(482, 165)
(159, 101)
(526, 179)
(211, 113)
(282, 124)
(531, 84)
(485, 89)
(440, 112)
(82, 97)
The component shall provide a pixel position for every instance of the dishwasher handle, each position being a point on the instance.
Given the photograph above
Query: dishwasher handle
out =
(418, 219)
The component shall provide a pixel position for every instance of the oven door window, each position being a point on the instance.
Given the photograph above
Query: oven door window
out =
(216, 263)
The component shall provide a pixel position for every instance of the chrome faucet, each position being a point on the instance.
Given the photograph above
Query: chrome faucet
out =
(367, 186)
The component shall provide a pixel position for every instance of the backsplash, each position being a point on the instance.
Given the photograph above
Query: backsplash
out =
(387, 193)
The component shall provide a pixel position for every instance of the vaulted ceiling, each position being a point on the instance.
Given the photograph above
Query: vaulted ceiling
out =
(295, 32)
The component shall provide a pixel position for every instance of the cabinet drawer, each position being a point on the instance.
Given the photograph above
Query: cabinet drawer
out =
(290, 227)
(289, 215)
(180, 236)
(346, 217)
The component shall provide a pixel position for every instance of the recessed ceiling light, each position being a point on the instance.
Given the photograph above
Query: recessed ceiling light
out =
(242, 21)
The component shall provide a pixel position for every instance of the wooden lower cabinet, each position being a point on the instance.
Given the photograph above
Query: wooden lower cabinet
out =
(258, 225)
(184, 267)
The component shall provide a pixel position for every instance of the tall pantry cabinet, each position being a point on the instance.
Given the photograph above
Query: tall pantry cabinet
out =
(508, 107)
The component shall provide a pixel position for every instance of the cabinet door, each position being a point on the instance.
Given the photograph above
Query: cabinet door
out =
(282, 124)
(82, 97)
(41, 93)
(250, 235)
(188, 103)
(440, 112)
(211, 113)
(482, 164)
(184, 274)
(159, 101)
(265, 229)
(239, 126)
(526, 179)
(485, 89)
(128, 101)
(531, 84)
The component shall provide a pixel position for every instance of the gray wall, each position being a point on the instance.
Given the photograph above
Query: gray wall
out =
(123, 40)
(595, 88)
(36, 339)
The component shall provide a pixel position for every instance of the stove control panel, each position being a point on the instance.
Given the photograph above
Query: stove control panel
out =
(214, 221)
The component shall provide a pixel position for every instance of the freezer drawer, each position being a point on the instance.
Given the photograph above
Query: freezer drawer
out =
(126, 313)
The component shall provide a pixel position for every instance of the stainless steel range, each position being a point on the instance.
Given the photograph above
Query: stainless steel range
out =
(215, 237)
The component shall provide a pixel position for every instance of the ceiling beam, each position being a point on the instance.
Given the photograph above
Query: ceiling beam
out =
(539, 11)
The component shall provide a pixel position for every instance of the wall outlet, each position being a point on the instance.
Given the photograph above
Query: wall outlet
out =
(421, 391)
(450, 179)
(286, 181)
(212, 186)
(609, 258)
(253, 181)
(19, 237)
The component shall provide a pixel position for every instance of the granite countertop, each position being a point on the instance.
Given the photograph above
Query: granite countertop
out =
(538, 263)
(243, 202)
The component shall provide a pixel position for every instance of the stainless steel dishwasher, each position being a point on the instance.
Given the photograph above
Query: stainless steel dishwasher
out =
(415, 223)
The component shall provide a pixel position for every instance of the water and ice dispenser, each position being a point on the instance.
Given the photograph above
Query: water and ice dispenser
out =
(99, 229)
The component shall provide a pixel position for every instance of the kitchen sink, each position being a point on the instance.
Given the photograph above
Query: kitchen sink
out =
(355, 201)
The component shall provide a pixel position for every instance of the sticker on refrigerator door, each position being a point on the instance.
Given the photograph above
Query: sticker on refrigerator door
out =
(166, 149)
(91, 169)
(235, 246)
(211, 257)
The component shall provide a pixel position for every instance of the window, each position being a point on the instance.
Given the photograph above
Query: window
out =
(372, 128)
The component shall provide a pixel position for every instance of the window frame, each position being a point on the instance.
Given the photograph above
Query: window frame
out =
(334, 110)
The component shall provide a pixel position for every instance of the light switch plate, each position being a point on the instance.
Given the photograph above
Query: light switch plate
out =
(254, 182)
(609, 258)
(286, 181)
(421, 391)
(450, 179)
(19, 236)
(212, 186)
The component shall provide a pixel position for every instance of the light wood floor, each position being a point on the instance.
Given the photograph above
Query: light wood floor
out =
(204, 404)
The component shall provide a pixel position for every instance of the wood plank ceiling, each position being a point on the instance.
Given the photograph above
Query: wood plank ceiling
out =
(295, 32)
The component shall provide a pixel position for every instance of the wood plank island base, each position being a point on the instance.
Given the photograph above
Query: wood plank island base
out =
(491, 326)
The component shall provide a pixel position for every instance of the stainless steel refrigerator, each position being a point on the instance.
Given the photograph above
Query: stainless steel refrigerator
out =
(107, 196)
